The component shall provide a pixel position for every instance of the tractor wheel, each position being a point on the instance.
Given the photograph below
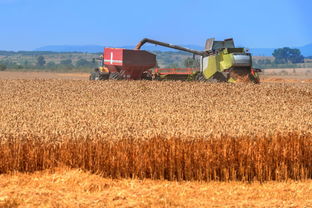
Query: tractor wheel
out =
(104, 76)
(95, 76)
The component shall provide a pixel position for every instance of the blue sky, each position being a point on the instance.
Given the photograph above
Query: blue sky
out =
(29, 24)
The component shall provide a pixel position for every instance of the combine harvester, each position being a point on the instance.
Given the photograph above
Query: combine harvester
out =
(219, 62)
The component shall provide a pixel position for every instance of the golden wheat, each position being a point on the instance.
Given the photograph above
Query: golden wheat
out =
(158, 130)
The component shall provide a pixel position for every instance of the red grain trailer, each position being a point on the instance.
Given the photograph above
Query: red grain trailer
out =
(128, 64)
(119, 63)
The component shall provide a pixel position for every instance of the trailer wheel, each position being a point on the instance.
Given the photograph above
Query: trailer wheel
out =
(115, 76)
(146, 76)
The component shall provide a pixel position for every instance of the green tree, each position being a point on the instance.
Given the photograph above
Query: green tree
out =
(83, 63)
(51, 65)
(20, 66)
(3, 67)
(66, 62)
(26, 64)
(264, 62)
(173, 65)
(267, 61)
(93, 61)
(287, 55)
(189, 62)
(41, 61)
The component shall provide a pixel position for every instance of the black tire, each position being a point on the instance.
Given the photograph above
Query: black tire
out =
(115, 76)
(254, 79)
(157, 77)
(146, 76)
(218, 77)
(104, 76)
(200, 77)
(95, 76)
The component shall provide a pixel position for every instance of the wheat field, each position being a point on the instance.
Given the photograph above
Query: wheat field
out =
(158, 130)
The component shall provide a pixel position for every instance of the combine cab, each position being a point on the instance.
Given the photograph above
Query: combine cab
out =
(224, 62)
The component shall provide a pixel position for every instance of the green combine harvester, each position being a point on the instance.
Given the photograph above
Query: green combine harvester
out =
(219, 62)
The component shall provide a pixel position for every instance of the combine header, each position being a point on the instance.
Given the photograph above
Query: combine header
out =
(174, 73)
(219, 62)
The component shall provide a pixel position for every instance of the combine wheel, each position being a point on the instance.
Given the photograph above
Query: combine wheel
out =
(200, 77)
(254, 78)
(242, 75)
(218, 77)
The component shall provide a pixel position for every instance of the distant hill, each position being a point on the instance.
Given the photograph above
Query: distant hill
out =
(151, 47)
(72, 48)
(99, 49)
(261, 51)
(305, 50)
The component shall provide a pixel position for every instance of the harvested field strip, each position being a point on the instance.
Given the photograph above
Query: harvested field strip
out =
(9, 75)
(245, 159)
(75, 188)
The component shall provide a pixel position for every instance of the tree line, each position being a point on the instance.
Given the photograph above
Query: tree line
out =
(286, 57)
(282, 58)
(67, 63)
(41, 63)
